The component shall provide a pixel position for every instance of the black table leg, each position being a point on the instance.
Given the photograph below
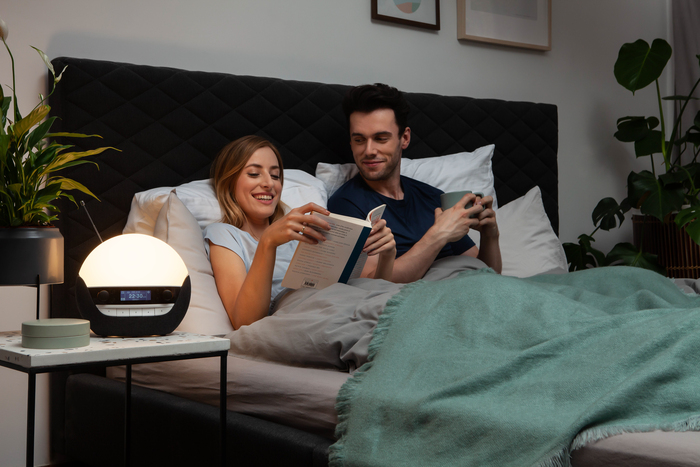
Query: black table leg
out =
(222, 409)
(127, 418)
(31, 409)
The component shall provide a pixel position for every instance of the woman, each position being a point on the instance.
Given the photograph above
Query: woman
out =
(252, 247)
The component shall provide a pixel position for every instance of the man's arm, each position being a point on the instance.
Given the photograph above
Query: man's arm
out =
(450, 226)
(489, 249)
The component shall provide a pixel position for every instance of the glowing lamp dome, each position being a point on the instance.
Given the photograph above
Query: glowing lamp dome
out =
(133, 260)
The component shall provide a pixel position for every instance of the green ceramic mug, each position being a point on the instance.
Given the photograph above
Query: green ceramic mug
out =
(449, 199)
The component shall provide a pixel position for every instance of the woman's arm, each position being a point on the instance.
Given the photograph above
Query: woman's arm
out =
(242, 294)
(246, 296)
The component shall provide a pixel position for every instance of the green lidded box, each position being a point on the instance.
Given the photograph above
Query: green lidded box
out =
(55, 333)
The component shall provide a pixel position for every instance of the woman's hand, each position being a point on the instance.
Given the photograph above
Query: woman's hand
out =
(298, 225)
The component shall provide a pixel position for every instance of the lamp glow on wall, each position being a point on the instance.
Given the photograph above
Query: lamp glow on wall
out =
(133, 285)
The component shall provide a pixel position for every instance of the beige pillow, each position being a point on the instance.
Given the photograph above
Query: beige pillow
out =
(177, 227)
(528, 243)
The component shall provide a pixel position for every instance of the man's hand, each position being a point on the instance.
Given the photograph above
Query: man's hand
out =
(454, 223)
(489, 249)
(486, 216)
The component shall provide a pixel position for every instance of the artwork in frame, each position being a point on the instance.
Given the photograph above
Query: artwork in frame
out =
(419, 13)
(517, 23)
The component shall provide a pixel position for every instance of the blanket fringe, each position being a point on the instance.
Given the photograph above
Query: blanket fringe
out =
(560, 459)
(343, 405)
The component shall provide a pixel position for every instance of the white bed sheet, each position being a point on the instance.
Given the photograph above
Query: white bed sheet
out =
(303, 398)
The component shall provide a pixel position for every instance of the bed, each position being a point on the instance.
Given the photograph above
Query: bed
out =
(168, 125)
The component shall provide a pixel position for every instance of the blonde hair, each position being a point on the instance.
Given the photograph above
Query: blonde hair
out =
(226, 169)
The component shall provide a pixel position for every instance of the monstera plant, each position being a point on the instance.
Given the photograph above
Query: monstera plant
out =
(669, 190)
(30, 181)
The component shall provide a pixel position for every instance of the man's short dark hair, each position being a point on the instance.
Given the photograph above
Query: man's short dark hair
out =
(370, 97)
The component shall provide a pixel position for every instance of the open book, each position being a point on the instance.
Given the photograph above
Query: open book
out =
(338, 259)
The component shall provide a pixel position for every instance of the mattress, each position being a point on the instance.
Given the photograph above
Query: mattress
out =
(299, 397)
(304, 398)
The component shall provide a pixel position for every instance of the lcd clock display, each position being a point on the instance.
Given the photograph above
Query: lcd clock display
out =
(135, 295)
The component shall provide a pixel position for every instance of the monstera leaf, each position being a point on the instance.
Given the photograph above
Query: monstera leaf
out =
(608, 213)
(652, 197)
(582, 255)
(628, 255)
(639, 65)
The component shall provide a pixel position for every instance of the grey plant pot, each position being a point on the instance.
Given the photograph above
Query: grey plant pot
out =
(26, 252)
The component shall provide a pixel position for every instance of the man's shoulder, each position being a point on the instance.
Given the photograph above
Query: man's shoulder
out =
(409, 183)
(350, 188)
(351, 198)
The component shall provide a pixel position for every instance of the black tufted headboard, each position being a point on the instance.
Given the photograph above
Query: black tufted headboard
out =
(169, 124)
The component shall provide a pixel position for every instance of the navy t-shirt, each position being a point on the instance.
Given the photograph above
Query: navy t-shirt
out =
(409, 219)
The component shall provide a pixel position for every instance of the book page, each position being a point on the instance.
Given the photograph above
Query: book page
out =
(318, 266)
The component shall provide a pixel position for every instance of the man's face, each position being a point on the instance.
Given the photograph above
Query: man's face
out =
(376, 144)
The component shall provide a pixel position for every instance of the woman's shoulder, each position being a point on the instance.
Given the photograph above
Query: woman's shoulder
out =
(221, 231)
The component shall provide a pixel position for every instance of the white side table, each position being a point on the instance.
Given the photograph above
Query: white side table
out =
(112, 351)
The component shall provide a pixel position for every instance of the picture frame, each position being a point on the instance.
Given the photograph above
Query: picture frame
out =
(516, 23)
(419, 13)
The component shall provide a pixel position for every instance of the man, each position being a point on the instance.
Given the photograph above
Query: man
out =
(377, 118)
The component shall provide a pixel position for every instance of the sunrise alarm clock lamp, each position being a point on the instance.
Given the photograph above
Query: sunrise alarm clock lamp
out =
(133, 285)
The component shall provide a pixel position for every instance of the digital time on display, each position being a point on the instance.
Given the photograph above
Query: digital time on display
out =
(135, 295)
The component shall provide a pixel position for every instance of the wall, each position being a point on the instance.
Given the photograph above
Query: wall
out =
(335, 41)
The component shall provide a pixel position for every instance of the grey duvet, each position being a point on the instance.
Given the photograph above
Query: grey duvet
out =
(332, 327)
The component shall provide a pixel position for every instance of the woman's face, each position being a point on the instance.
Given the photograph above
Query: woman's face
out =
(258, 187)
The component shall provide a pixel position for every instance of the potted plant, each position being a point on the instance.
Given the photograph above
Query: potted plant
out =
(29, 184)
(668, 193)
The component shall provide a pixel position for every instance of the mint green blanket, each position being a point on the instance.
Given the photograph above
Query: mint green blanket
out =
(486, 370)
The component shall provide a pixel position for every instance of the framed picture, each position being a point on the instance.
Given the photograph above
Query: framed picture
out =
(518, 23)
(419, 13)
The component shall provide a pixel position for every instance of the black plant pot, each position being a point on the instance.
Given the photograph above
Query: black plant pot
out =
(28, 252)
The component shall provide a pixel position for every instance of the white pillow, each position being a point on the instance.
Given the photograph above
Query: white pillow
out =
(528, 243)
(455, 172)
(176, 226)
(199, 198)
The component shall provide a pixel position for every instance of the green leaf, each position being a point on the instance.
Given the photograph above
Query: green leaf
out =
(71, 135)
(46, 60)
(582, 255)
(34, 117)
(678, 98)
(639, 65)
(631, 129)
(628, 255)
(64, 159)
(650, 144)
(693, 230)
(39, 132)
(68, 184)
(4, 144)
(608, 212)
(47, 194)
(4, 108)
(652, 197)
